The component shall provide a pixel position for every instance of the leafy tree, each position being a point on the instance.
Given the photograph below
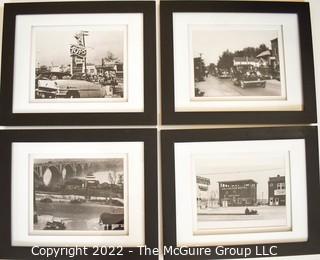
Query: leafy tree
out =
(111, 57)
(43, 68)
(226, 60)
(112, 177)
(120, 179)
(262, 47)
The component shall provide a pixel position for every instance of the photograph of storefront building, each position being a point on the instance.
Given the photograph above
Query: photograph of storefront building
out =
(238, 193)
(277, 191)
(240, 190)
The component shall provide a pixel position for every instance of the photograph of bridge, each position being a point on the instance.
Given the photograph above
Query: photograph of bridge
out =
(242, 192)
(79, 194)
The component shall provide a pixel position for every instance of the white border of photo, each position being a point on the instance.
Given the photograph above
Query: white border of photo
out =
(22, 154)
(186, 192)
(290, 66)
(133, 55)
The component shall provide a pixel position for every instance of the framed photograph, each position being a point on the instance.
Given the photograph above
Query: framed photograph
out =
(241, 188)
(237, 62)
(72, 63)
(84, 188)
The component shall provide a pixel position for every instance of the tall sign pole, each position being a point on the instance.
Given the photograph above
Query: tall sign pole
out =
(84, 45)
(78, 52)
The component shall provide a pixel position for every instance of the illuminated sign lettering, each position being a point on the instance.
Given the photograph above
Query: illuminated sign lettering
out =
(78, 51)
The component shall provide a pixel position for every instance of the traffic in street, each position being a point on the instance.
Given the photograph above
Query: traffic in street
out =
(213, 86)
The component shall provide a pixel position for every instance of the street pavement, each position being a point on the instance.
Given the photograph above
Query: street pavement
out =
(226, 213)
(215, 87)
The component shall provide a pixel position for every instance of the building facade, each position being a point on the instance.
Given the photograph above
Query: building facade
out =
(275, 62)
(203, 184)
(277, 191)
(238, 193)
(199, 69)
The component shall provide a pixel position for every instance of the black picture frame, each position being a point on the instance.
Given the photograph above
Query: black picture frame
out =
(309, 134)
(170, 116)
(147, 117)
(148, 136)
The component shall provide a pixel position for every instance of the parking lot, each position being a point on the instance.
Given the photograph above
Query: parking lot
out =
(215, 87)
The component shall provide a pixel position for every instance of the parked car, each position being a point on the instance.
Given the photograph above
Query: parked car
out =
(67, 88)
(199, 93)
(249, 79)
(45, 91)
(54, 75)
(117, 91)
(224, 74)
(276, 75)
(55, 225)
(46, 200)
(265, 73)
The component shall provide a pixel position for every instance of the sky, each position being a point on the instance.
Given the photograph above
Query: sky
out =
(229, 167)
(52, 45)
(213, 43)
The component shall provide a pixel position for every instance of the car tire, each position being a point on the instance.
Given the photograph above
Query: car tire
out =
(73, 94)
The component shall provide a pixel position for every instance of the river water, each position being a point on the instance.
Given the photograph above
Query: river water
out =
(82, 216)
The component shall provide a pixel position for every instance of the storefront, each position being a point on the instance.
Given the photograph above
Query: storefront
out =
(277, 191)
(237, 193)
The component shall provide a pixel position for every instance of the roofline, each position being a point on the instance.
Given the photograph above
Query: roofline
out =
(237, 181)
(276, 178)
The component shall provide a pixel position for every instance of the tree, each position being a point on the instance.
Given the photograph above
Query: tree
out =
(226, 60)
(43, 68)
(249, 52)
(112, 177)
(262, 47)
(111, 57)
(120, 179)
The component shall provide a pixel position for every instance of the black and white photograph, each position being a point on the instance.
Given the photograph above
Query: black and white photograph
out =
(237, 62)
(80, 194)
(79, 62)
(242, 192)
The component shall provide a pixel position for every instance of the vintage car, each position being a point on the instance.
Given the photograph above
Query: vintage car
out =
(265, 73)
(199, 93)
(224, 74)
(67, 88)
(250, 212)
(249, 79)
(54, 75)
(55, 225)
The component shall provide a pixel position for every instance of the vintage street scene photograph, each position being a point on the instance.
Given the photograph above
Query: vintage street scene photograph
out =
(79, 63)
(239, 193)
(237, 63)
(79, 195)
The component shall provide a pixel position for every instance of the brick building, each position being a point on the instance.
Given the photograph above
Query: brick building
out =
(238, 193)
(277, 191)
